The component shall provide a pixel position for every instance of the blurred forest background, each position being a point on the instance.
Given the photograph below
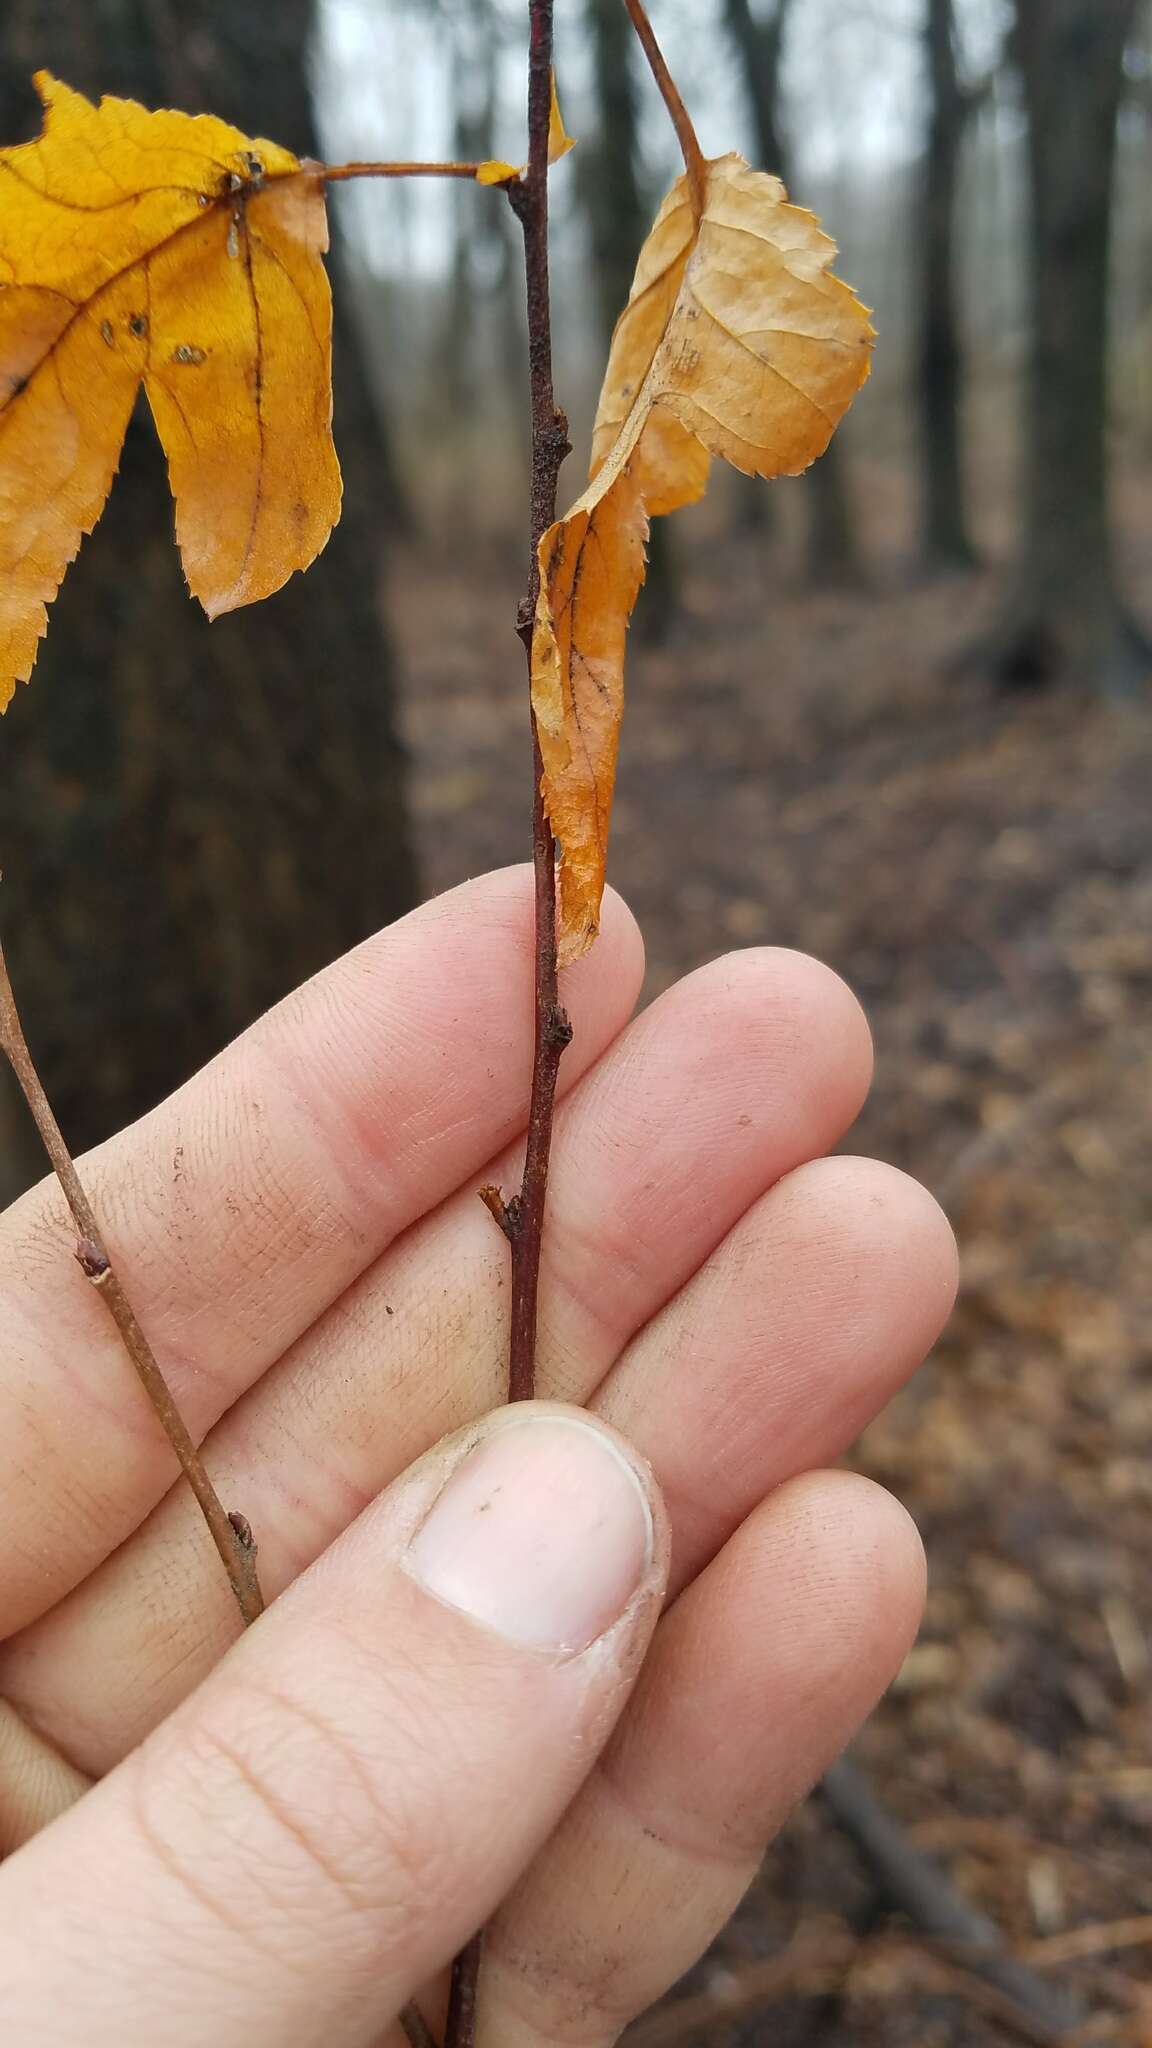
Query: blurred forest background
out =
(895, 713)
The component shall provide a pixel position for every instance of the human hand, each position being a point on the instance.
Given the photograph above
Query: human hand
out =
(284, 1849)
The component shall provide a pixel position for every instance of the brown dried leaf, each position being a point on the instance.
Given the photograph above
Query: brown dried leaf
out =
(736, 341)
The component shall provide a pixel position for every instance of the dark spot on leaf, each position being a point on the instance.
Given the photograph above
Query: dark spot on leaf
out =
(187, 352)
(106, 333)
(16, 385)
(138, 325)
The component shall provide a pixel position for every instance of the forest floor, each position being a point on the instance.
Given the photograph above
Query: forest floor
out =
(806, 768)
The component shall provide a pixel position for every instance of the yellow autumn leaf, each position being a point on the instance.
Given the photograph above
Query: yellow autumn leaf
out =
(736, 341)
(496, 172)
(559, 140)
(171, 250)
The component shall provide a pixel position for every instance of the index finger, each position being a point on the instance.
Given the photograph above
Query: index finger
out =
(244, 1205)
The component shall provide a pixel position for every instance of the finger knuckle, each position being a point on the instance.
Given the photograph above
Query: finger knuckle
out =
(305, 1831)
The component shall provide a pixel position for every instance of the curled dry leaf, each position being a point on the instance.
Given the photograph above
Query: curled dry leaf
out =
(170, 250)
(736, 341)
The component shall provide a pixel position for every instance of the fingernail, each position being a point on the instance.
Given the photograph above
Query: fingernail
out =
(543, 1534)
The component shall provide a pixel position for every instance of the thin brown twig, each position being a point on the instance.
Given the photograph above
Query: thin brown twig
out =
(230, 1533)
(522, 1219)
(1101, 1938)
(694, 160)
(415, 2027)
(460, 2025)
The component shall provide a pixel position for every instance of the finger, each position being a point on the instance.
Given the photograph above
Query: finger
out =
(328, 1819)
(758, 1677)
(802, 1326)
(244, 1205)
(36, 1782)
(766, 1062)
(421, 1342)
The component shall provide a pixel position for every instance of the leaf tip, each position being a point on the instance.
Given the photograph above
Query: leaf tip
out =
(52, 92)
(559, 140)
(573, 945)
(496, 172)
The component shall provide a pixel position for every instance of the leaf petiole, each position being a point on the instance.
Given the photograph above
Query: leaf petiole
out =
(334, 174)
(694, 159)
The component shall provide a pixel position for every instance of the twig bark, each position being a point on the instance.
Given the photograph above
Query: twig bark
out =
(522, 1218)
(460, 2026)
(416, 2030)
(230, 1532)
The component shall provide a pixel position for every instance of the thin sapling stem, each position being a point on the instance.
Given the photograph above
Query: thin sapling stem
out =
(230, 1533)
(522, 1219)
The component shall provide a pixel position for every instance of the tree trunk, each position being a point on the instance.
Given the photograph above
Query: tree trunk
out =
(611, 187)
(619, 216)
(1064, 620)
(192, 818)
(944, 542)
(487, 262)
(833, 553)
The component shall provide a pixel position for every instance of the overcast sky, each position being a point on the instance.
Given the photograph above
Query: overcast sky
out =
(852, 84)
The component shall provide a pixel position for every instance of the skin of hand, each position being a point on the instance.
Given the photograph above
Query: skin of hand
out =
(564, 1668)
